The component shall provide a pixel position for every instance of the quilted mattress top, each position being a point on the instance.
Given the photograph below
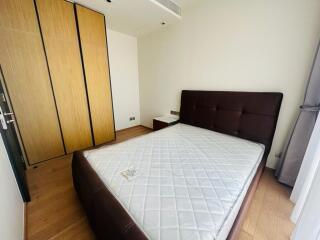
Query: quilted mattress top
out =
(182, 182)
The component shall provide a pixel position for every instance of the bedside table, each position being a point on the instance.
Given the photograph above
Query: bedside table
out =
(164, 121)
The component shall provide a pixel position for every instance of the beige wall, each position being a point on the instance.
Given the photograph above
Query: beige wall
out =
(123, 58)
(248, 45)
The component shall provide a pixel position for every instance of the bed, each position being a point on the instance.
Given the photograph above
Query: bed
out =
(193, 180)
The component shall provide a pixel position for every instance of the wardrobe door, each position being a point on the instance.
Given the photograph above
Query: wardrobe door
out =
(59, 31)
(93, 41)
(27, 80)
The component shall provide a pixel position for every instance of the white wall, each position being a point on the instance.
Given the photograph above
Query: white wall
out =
(123, 58)
(306, 192)
(308, 225)
(12, 207)
(249, 45)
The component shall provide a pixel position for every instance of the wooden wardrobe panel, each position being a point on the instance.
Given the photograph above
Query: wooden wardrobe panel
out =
(95, 58)
(27, 80)
(61, 41)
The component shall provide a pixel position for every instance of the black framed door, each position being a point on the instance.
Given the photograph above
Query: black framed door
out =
(10, 139)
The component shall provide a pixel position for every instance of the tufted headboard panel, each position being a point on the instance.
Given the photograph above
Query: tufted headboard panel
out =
(249, 115)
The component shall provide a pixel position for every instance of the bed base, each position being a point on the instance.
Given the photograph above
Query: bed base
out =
(107, 217)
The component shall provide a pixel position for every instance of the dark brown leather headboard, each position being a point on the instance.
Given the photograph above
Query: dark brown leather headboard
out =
(249, 115)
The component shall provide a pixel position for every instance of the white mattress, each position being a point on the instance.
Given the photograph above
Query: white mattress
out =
(190, 182)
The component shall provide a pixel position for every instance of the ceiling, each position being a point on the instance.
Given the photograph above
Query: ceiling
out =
(135, 17)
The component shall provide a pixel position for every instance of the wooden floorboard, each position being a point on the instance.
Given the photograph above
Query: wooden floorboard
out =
(55, 212)
(268, 217)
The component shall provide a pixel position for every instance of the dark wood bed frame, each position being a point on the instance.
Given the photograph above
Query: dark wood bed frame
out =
(249, 115)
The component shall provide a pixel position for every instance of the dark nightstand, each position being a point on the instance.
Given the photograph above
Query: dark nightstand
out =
(164, 121)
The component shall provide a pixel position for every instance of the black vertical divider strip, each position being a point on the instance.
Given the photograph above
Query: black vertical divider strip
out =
(105, 30)
(84, 72)
(46, 57)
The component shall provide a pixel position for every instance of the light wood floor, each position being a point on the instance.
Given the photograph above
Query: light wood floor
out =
(55, 212)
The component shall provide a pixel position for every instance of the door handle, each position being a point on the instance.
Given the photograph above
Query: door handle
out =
(11, 120)
(2, 120)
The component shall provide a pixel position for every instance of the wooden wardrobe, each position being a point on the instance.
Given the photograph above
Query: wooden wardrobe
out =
(54, 58)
